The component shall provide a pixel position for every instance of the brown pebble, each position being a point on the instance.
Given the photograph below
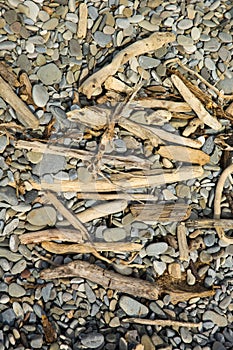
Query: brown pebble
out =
(16, 27)
(174, 270)
(2, 23)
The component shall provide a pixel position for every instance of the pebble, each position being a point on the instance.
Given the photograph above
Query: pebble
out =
(42, 216)
(19, 267)
(8, 195)
(114, 234)
(102, 39)
(225, 302)
(159, 267)
(50, 164)
(5, 253)
(132, 307)
(148, 62)
(216, 318)
(212, 45)
(15, 290)
(209, 63)
(225, 37)
(40, 95)
(195, 33)
(226, 85)
(186, 335)
(37, 342)
(155, 249)
(92, 340)
(10, 227)
(34, 157)
(8, 317)
(49, 74)
(75, 49)
(7, 45)
(51, 24)
(185, 24)
(3, 143)
(209, 239)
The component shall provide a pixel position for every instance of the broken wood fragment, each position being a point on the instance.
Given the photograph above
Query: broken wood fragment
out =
(195, 104)
(25, 116)
(112, 83)
(53, 234)
(119, 195)
(226, 224)
(82, 21)
(122, 181)
(84, 248)
(172, 106)
(182, 242)
(92, 86)
(184, 154)
(219, 189)
(162, 323)
(164, 212)
(8, 75)
(125, 284)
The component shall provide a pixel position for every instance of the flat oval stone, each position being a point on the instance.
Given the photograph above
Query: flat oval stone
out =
(92, 340)
(42, 216)
(3, 143)
(114, 234)
(102, 39)
(185, 24)
(132, 307)
(154, 249)
(216, 318)
(40, 95)
(49, 74)
(15, 290)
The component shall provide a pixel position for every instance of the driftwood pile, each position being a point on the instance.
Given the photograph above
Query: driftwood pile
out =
(120, 181)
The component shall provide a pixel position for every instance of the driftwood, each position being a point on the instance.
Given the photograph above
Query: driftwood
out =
(125, 284)
(162, 323)
(125, 181)
(116, 160)
(167, 212)
(96, 118)
(195, 104)
(24, 115)
(8, 75)
(227, 224)
(182, 243)
(172, 106)
(84, 248)
(119, 195)
(65, 235)
(112, 83)
(184, 154)
(92, 86)
(82, 21)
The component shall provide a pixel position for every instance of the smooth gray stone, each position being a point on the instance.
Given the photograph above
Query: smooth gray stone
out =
(50, 164)
(92, 340)
(8, 195)
(8, 317)
(132, 307)
(49, 74)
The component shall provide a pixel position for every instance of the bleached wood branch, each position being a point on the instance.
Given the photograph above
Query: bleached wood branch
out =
(184, 154)
(162, 323)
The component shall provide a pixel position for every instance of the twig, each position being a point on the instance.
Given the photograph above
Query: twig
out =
(162, 323)
(118, 195)
(210, 223)
(58, 248)
(92, 86)
(195, 103)
(24, 115)
(182, 242)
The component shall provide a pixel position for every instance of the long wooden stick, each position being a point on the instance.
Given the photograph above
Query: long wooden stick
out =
(123, 181)
(184, 154)
(226, 224)
(125, 284)
(52, 234)
(92, 86)
(196, 105)
(162, 323)
(58, 248)
(119, 195)
(219, 189)
(182, 242)
(24, 115)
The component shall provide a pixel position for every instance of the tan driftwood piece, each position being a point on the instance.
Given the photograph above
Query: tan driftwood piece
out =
(162, 323)
(195, 104)
(112, 83)
(40, 147)
(101, 210)
(160, 212)
(97, 118)
(172, 106)
(119, 195)
(24, 115)
(184, 154)
(52, 234)
(122, 181)
(84, 248)
(182, 243)
(159, 117)
(8, 75)
(226, 224)
(125, 284)
(82, 21)
(92, 86)
(192, 127)
(217, 203)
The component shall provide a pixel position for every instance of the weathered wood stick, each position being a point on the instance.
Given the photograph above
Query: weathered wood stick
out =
(162, 323)
(97, 118)
(219, 189)
(160, 212)
(122, 181)
(184, 154)
(52, 234)
(25, 116)
(116, 160)
(210, 223)
(182, 243)
(58, 248)
(101, 210)
(125, 284)
(82, 21)
(8, 75)
(118, 195)
(92, 86)
(195, 104)
(172, 106)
